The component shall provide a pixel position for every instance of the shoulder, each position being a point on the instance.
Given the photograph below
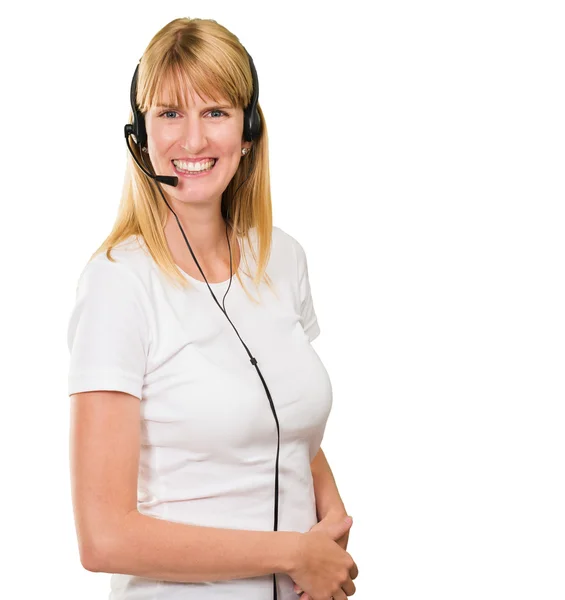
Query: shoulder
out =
(285, 242)
(129, 266)
(288, 246)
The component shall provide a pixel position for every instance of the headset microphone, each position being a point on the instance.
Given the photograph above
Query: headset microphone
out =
(166, 179)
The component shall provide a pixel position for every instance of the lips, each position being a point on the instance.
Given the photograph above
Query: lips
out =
(193, 161)
(194, 173)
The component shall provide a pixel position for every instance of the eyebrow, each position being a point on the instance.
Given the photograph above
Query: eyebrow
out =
(180, 107)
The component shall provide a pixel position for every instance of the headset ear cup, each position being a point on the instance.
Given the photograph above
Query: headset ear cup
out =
(252, 124)
(249, 129)
(138, 124)
(141, 135)
(255, 126)
(252, 119)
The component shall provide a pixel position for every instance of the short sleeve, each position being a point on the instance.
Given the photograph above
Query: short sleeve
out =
(108, 331)
(309, 319)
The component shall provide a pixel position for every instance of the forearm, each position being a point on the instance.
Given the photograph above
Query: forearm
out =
(170, 551)
(327, 495)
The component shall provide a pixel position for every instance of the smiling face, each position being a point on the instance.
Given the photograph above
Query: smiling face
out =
(204, 130)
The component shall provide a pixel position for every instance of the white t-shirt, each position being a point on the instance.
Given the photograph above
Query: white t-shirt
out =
(209, 437)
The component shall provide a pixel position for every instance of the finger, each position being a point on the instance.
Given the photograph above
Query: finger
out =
(354, 571)
(339, 595)
(349, 588)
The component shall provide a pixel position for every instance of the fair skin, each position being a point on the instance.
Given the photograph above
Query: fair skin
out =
(333, 516)
(198, 130)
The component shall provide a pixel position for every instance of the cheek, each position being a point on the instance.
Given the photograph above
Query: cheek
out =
(165, 139)
(160, 136)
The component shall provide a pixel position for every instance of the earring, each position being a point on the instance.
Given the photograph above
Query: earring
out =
(244, 151)
(144, 149)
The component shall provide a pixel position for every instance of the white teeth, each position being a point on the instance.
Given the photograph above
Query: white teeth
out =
(194, 167)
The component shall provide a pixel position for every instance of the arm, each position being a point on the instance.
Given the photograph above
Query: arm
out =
(327, 495)
(154, 548)
(114, 537)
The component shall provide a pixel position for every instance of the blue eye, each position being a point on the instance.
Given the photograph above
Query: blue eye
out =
(168, 112)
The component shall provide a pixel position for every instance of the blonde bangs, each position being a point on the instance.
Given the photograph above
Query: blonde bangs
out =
(172, 83)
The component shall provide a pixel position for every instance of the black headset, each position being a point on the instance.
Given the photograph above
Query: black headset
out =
(251, 118)
(251, 131)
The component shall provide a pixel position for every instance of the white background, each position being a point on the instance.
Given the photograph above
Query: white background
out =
(417, 155)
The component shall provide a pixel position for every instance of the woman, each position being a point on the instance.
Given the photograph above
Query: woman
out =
(177, 416)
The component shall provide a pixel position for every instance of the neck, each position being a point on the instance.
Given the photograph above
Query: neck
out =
(206, 235)
(208, 241)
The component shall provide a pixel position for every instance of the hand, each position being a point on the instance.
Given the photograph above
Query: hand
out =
(323, 567)
(330, 518)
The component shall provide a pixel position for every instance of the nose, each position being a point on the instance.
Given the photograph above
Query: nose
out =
(194, 138)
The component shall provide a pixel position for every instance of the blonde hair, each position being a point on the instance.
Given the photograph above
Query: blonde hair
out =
(204, 55)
